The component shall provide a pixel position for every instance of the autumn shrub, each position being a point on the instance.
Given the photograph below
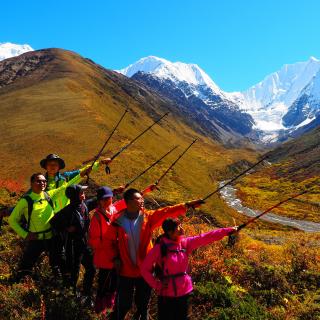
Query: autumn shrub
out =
(20, 301)
(304, 273)
(268, 284)
(227, 301)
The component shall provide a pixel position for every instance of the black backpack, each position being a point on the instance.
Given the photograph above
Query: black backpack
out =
(26, 223)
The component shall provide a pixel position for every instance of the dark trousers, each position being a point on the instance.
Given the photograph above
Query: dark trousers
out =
(171, 308)
(32, 252)
(107, 282)
(129, 289)
(77, 253)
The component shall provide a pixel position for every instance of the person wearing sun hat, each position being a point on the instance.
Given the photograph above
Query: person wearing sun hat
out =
(53, 163)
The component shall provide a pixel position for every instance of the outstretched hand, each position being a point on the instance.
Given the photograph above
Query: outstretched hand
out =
(233, 236)
(119, 190)
(234, 231)
(194, 203)
(85, 172)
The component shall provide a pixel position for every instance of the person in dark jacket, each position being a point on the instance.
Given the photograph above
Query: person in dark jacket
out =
(73, 221)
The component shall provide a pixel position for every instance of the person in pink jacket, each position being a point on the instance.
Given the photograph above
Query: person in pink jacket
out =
(165, 268)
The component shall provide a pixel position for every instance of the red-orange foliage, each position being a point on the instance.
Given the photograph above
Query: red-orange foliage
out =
(11, 185)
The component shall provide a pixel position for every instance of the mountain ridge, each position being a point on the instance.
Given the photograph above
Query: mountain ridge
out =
(267, 103)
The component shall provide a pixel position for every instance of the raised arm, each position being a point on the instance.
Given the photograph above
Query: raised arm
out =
(55, 193)
(207, 238)
(156, 217)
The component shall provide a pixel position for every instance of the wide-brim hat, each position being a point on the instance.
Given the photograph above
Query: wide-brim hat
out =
(52, 156)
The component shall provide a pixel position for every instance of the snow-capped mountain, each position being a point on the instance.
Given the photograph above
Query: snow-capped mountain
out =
(269, 101)
(9, 50)
(283, 102)
(174, 71)
(192, 89)
(306, 107)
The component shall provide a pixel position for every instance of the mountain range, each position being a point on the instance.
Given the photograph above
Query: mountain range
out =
(273, 110)
(285, 104)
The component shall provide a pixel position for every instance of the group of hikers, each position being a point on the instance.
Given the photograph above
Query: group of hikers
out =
(115, 239)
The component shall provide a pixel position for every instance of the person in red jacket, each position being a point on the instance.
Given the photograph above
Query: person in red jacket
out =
(102, 239)
(134, 227)
(170, 255)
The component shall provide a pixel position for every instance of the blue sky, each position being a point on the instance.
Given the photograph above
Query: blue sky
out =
(237, 43)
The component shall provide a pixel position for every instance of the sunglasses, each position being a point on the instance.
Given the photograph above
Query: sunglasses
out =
(41, 181)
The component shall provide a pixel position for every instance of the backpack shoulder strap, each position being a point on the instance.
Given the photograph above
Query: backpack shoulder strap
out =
(163, 249)
(60, 177)
(48, 198)
(30, 209)
(97, 215)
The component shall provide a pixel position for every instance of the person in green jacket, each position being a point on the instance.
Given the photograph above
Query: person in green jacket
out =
(55, 179)
(38, 230)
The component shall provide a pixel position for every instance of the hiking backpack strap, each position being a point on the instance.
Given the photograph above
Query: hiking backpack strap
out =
(59, 177)
(48, 198)
(30, 209)
(97, 215)
(30, 206)
(164, 250)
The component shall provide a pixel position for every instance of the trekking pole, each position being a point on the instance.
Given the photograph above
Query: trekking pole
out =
(243, 225)
(136, 138)
(233, 237)
(233, 179)
(104, 145)
(147, 169)
(173, 164)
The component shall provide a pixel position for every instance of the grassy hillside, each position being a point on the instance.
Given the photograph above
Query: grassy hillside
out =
(59, 102)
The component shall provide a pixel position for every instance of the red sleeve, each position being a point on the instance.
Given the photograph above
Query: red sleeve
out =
(156, 217)
(120, 205)
(147, 190)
